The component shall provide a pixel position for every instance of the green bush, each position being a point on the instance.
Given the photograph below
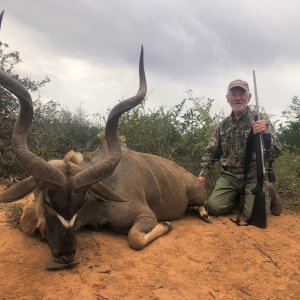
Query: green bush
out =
(287, 170)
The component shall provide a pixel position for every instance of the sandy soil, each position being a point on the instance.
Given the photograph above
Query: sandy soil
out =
(194, 261)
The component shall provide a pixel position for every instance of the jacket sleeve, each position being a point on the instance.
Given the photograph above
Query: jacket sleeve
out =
(212, 153)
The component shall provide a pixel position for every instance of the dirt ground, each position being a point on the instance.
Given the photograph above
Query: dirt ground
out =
(194, 261)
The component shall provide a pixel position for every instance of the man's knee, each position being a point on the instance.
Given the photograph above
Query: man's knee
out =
(213, 209)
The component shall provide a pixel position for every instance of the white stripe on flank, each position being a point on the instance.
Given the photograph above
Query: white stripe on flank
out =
(67, 224)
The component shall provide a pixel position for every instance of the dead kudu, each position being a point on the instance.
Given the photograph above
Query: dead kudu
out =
(127, 190)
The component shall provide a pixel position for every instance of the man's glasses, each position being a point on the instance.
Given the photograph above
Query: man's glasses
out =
(235, 93)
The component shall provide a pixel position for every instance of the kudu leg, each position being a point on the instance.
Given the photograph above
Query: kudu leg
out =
(203, 214)
(139, 236)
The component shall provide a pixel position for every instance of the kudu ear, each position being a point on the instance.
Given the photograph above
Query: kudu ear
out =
(104, 193)
(18, 190)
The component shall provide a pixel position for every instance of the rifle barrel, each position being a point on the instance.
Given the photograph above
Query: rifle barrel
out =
(1, 16)
(256, 95)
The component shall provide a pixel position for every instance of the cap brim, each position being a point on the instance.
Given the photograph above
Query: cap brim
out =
(238, 86)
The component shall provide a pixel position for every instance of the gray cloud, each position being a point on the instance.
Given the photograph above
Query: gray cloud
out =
(197, 44)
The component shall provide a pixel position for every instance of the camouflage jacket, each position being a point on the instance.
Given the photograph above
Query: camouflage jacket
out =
(228, 143)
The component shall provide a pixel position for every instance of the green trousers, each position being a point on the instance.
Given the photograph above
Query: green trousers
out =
(226, 195)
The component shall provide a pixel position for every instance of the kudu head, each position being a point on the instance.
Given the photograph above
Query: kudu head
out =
(62, 187)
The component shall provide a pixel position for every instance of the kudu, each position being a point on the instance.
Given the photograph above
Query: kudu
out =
(114, 185)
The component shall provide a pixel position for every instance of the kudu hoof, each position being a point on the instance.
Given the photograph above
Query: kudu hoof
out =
(168, 225)
(206, 219)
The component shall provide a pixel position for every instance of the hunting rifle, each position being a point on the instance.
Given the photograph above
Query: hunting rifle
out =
(258, 216)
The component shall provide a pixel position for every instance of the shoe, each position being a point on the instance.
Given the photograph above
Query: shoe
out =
(276, 202)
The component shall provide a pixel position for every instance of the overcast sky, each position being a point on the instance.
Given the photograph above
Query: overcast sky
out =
(90, 49)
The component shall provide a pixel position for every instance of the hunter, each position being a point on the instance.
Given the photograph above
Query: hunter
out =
(227, 145)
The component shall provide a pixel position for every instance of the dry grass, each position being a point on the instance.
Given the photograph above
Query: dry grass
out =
(13, 212)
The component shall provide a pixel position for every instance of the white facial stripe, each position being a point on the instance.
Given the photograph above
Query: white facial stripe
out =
(67, 224)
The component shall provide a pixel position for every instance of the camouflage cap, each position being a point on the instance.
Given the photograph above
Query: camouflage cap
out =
(238, 83)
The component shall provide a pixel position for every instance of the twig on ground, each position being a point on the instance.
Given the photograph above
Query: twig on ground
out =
(193, 259)
(108, 271)
(99, 297)
(80, 276)
(93, 267)
(157, 265)
(241, 289)
(266, 254)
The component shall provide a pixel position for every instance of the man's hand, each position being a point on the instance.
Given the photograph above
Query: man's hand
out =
(202, 180)
(259, 127)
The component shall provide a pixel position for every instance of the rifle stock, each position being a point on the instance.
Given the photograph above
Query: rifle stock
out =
(259, 216)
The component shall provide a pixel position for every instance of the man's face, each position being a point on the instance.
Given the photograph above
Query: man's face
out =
(238, 99)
